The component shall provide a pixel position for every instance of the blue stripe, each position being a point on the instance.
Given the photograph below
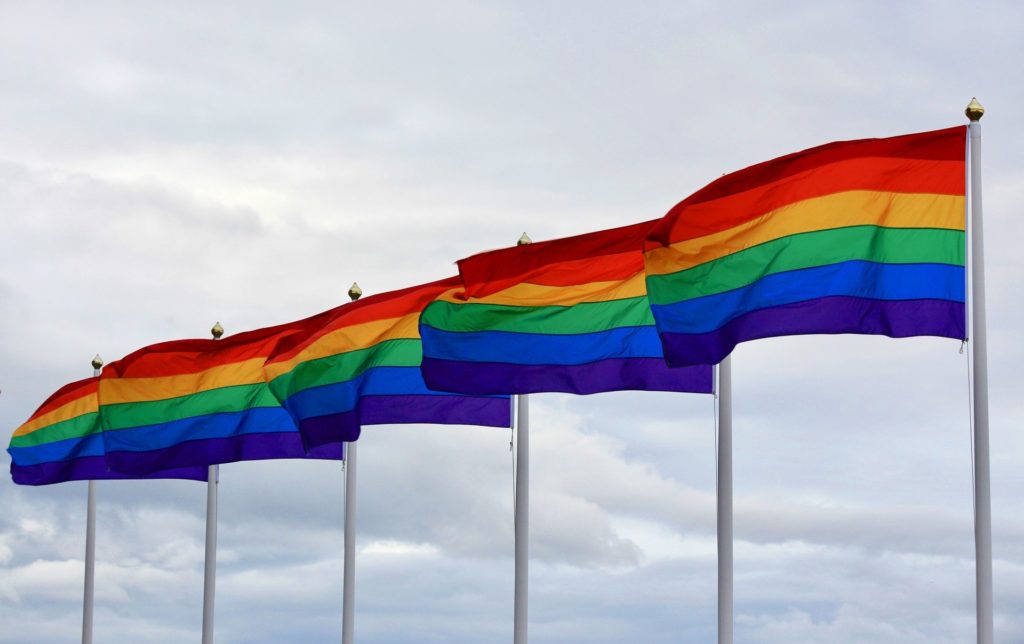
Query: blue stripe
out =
(541, 349)
(223, 425)
(861, 279)
(91, 445)
(343, 396)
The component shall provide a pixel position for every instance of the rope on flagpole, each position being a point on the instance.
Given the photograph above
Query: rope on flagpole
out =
(512, 452)
(970, 425)
(714, 406)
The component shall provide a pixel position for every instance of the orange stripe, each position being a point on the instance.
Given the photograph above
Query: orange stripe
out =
(127, 390)
(350, 338)
(577, 272)
(545, 295)
(373, 309)
(66, 394)
(73, 409)
(592, 257)
(694, 218)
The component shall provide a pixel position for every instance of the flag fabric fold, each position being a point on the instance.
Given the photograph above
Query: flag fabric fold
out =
(197, 402)
(358, 364)
(860, 237)
(297, 390)
(568, 315)
(62, 441)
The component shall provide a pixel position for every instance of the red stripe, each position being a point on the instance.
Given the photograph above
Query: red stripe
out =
(275, 343)
(178, 357)
(929, 162)
(68, 393)
(382, 306)
(597, 256)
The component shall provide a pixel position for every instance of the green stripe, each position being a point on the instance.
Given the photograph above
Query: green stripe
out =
(76, 427)
(807, 250)
(223, 399)
(346, 366)
(586, 317)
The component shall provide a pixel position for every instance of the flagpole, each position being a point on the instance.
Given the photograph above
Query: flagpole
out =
(724, 502)
(522, 522)
(979, 349)
(210, 564)
(349, 582)
(522, 510)
(348, 592)
(90, 543)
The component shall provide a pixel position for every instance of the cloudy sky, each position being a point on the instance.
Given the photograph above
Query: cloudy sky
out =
(167, 165)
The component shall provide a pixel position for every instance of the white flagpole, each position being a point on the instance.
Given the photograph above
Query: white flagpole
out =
(210, 564)
(522, 523)
(724, 502)
(90, 543)
(348, 591)
(348, 626)
(979, 347)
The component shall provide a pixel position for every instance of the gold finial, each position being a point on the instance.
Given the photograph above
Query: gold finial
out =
(974, 110)
(354, 292)
(217, 331)
(97, 362)
(523, 240)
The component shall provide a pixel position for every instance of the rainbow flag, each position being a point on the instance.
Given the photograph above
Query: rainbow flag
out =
(62, 441)
(198, 402)
(851, 237)
(567, 315)
(358, 364)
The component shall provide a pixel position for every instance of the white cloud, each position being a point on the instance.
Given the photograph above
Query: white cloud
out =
(166, 168)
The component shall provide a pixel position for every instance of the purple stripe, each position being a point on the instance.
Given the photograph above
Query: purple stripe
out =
(619, 374)
(829, 315)
(92, 468)
(398, 410)
(247, 447)
(435, 409)
(332, 429)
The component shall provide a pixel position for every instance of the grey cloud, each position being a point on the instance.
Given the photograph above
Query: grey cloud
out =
(162, 169)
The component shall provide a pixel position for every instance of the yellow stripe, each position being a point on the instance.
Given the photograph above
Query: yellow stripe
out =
(350, 338)
(129, 390)
(368, 334)
(73, 409)
(541, 295)
(853, 208)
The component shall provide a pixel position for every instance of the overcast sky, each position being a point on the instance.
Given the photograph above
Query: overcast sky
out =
(167, 165)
